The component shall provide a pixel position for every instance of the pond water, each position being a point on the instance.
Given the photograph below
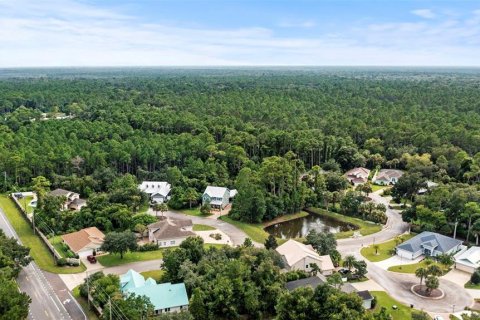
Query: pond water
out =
(300, 227)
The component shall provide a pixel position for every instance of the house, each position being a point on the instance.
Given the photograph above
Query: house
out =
(468, 260)
(158, 191)
(315, 281)
(72, 199)
(298, 256)
(357, 176)
(429, 244)
(84, 242)
(165, 297)
(170, 232)
(387, 177)
(429, 185)
(218, 197)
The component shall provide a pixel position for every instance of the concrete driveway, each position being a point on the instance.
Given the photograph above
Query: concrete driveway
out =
(207, 239)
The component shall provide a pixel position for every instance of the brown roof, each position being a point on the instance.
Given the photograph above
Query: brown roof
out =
(389, 173)
(59, 192)
(80, 239)
(170, 228)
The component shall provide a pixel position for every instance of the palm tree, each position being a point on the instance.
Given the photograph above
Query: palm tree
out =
(446, 260)
(434, 270)
(349, 262)
(432, 283)
(315, 269)
(476, 230)
(421, 273)
(376, 247)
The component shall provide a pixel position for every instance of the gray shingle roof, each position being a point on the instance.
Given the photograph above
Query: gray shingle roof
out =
(312, 282)
(439, 242)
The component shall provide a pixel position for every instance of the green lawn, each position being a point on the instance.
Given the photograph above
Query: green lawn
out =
(91, 315)
(193, 212)
(25, 204)
(376, 187)
(365, 227)
(154, 274)
(202, 227)
(253, 230)
(411, 268)
(402, 312)
(111, 260)
(38, 249)
(470, 285)
(384, 250)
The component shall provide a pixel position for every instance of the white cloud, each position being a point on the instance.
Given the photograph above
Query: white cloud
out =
(424, 13)
(71, 33)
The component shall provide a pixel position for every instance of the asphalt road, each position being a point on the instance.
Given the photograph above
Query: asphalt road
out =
(45, 304)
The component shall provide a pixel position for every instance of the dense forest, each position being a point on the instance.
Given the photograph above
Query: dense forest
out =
(259, 130)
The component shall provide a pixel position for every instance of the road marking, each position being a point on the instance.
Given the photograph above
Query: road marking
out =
(54, 302)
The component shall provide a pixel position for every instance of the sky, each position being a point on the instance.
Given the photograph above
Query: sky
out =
(239, 33)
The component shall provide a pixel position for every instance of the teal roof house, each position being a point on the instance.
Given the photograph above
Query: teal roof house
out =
(165, 297)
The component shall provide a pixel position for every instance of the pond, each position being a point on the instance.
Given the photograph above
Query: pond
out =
(300, 227)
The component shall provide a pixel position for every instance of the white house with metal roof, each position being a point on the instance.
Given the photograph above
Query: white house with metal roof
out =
(468, 260)
(218, 197)
(298, 256)
(428, 244)
(158, 191)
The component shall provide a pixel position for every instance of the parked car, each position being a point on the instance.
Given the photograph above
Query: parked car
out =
(91, 259)
(18, 195)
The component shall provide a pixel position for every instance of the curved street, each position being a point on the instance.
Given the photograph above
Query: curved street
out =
(398, 285)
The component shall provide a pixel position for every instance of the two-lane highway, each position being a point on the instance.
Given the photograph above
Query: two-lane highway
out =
(45, 303)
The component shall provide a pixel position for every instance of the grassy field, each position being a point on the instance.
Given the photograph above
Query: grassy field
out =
(253, 230)
(38, 249)
(365, 228)
(193, 212)
(384, 250)
(402, 312)
(25, 204)
(411, 268)
(57, 244)
(91, 315)
(202, 227)
(111, 260)
(470, 285)
(154, 274)
(376, 187)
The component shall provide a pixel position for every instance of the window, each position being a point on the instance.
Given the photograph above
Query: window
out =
(306, 266)
(172, 242)
(167, 309)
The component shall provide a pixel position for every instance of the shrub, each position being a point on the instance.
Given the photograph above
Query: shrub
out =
(148, 247)
(374, 302)
(475, 278)
(61, 262)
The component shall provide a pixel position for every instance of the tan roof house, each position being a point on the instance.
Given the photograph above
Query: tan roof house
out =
(85, 241)
(72, 199)
(357, 176)
(387, 176)
(170, 232)
(298, 256)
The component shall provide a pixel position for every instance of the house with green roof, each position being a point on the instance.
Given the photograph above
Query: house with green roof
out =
(165, 297)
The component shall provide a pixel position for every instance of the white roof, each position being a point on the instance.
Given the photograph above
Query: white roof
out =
(154, 187)
(470, 258)
(215, 192)
(233, 193)
(294, 251)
